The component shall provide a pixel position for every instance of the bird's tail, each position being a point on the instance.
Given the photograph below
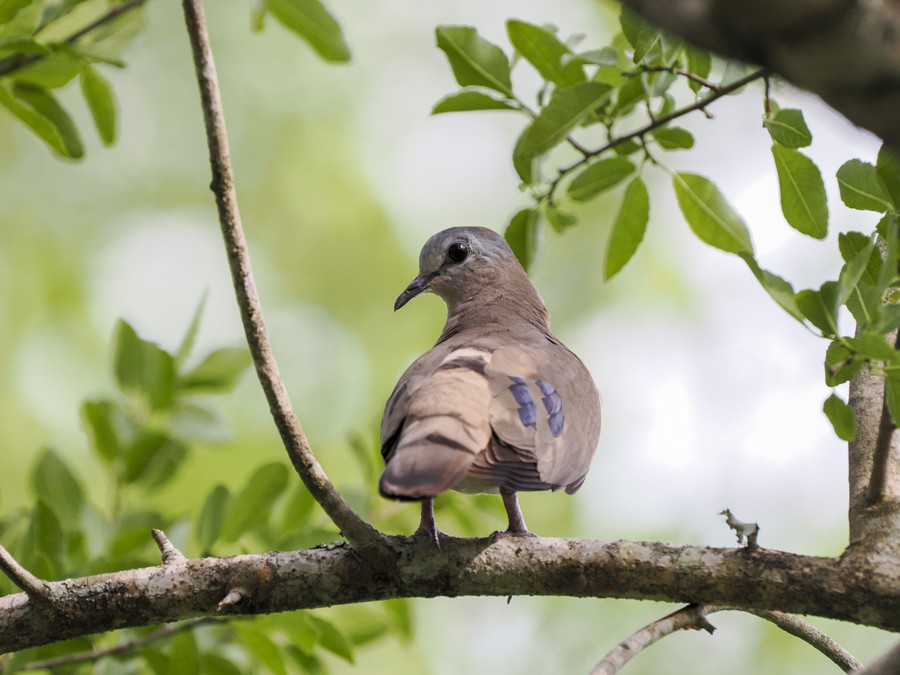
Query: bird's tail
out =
(432, 456)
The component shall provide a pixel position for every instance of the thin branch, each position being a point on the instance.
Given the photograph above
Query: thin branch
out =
(811, 635)
(234, 596)
(35, 588)
(884, 445)
(694, 617)
(357, 531)
(118, 650)
(30, 59)
(170, 554)
(723, 90)
(712, 86)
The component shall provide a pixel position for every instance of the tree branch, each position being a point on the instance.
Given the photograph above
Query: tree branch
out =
(843, 50)
(863, 591)
(30, 59)
(718, 92)
(694, 617)
(357, 531)
(124, 648)
(35, 588)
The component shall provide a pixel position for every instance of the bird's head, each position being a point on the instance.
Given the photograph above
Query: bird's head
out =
(459, 263)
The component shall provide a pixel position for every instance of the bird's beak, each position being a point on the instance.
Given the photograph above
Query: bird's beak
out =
(418, 285)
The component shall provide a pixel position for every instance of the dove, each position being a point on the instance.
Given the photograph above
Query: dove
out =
(499, 404)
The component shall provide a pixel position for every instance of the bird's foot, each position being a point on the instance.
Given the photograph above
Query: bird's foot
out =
(431, 534)
(504, 534)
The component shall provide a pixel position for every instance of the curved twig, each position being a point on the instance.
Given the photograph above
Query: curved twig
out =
(694, 617)
(356, 530)
(34, 587)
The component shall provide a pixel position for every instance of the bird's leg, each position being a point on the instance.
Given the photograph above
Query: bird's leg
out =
(517, 526)
(427, 527)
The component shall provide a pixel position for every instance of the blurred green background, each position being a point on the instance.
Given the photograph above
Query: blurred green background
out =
(711, 397)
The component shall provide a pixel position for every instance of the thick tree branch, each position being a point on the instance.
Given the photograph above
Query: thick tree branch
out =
(694, 617)
(862, 591)
(357, 531)
(843, 50)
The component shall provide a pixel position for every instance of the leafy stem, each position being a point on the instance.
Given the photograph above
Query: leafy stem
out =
(721, 91)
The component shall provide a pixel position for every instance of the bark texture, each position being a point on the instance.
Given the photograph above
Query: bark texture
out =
(863, 592)
(846, 51)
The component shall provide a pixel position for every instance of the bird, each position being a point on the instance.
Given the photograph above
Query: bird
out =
(498, 404)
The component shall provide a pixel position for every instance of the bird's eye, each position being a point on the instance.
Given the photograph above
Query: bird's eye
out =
(457, 252)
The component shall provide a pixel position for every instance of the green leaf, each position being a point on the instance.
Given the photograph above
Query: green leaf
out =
(709, 215)
(524, 166)
(298, 508)
(628, 228)
(100, 100)
(566, 110)
(467, 100)
(820, 307)
(218, 372)
(213, 664)
(888, 167)
(190, 336)
(185, 657)
(862, 188)
(852, 272)
(257, 16)
(192, 422)
(780, 290)
(889, 228)
(299, 630)
(261, 646)
(152, 459)
(607, 56)
(841, 365)
(143, 368)
(254, 501)
(788, 128)
(474, 60)
(44, 103)
(598, 177)
(560, 221)
(399, 611)
(892, 398)
(642, 36)
(699, 62)
(9, 8)
(803, 199)
(875, 347)
(56, 485)
(545, 52)
(311, 21)
(851, 243)
(51, 72)
(523, 236)
(37, 123)
(209, 524)
(106, 427)
(22, 44)
(332, 639)
(841, 416)
(43, 538)
(673, 138)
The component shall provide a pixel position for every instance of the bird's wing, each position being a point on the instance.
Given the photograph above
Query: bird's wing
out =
(545, 418)
(435, 423)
